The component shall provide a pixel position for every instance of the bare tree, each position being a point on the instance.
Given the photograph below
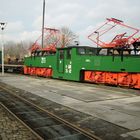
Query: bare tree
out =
(68, 36)
(59, 38)
(16, 50)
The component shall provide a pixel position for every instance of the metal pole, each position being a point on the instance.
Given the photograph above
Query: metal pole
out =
(2, 26)
(43, 19)
(97, 38)
(2, 52)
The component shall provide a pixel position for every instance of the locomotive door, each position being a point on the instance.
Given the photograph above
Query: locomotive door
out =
(61, 61)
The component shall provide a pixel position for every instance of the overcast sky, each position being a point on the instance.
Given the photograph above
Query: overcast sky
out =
(81, 16)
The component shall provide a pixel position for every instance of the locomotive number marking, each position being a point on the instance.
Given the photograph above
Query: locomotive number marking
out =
(43, 60)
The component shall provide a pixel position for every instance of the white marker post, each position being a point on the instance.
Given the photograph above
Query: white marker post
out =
(2, 27)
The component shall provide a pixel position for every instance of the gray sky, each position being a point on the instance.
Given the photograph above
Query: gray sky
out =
(81, 16)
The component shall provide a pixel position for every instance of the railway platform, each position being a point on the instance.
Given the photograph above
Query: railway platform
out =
(109, 110)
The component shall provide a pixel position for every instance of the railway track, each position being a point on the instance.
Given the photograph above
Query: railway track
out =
(12, 68)
(41, 121)
(11, 127)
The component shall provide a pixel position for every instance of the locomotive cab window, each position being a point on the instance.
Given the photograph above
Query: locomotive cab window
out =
(43, 53)
(35, 53)
(126, 52)
(81, 51)
(61, 54)
(32, 54)
(69, 54)
(103, 52)
(113, 52)
(39, 53)
(89, 51)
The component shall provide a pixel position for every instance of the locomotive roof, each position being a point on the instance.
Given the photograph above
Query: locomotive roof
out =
(77, 47)
(137, 43)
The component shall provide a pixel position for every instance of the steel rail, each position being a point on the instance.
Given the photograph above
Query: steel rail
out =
(78, 129)
(32, 131)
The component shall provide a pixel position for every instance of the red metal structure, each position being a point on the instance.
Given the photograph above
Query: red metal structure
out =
(120, 40)
(51, 40)
(35, 46)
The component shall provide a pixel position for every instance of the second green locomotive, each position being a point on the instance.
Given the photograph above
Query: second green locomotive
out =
(116, 62)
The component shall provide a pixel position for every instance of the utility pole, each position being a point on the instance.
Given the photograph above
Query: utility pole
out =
(96, 32)
(2, 26)
(43, 19)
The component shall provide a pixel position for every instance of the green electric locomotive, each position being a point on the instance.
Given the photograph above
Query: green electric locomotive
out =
(115, 63)
(98, 65)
